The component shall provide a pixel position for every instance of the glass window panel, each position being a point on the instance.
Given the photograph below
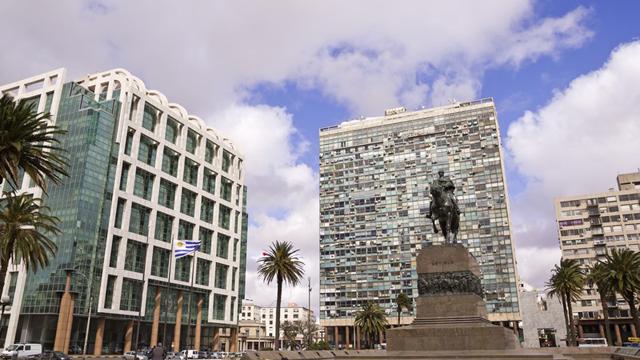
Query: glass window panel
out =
(170, 161)
(227, 160)
(221, 276)
(171, 133)
(136, 256)
(115, 247)
(183, 268)
(206, 210)
(222, 246)
(139, 221)
(160, 262)
(150, 117)
(129, 141)
(164, 225)
(185, 230)
(206, 236)
(192, 141)
(143, 184)
(188, 202)
(167, 193)
(209, 181)
(202, 273)
(225, 188)
(147, 150)
(131, 295)
(224, 217)
(190, 174)
(123, 176)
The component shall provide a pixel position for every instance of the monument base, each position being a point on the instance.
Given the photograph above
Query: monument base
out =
(450, 312)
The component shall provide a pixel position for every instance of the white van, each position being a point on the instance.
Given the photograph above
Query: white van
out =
(21, 350)
(592, 342)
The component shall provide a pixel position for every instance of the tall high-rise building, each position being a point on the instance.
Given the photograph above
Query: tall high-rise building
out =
(374, 178)
(588, 227)
(143, 173)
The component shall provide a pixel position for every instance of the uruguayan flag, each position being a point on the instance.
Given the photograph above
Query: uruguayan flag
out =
(185, 247)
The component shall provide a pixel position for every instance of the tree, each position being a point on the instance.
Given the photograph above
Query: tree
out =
(24, 227)
(289, 335)
(622, 271)
(566, 282)
(403, 301)
(29, 143)
(307, 330)
(320, 345)
(597, 277)
(281, 264)
(372, 320)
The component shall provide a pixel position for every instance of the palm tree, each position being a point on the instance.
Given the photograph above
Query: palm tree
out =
(566, 282)
(597, 277)
(281, 264)
(29, 143)
(622, 271)
(24, 226)
(403, 301)
(372, 320)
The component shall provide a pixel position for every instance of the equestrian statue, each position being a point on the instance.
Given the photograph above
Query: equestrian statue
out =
(444, 208)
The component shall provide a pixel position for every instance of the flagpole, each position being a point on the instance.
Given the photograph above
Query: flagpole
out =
(193, 268)
(165, 296)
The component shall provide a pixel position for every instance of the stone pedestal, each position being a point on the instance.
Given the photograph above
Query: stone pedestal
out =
(450, 311)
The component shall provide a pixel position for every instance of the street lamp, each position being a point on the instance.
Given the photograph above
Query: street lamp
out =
(86, 333)
(4, 301)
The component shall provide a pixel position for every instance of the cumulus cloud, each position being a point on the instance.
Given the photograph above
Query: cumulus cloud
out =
(209, 56)
(575, 144)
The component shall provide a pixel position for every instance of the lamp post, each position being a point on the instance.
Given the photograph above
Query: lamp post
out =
(4, 301)
(86, 333)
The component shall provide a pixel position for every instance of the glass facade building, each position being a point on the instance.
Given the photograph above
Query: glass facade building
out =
(374, 178)
(142, 174)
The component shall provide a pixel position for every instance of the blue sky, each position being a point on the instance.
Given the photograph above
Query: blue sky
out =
(268, 75)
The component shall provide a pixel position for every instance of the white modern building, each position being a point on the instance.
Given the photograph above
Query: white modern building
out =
(143, 173)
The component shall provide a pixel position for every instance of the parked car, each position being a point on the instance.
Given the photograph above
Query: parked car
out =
(172, 355)
(54, 355)
(21, 350)
(132, 355)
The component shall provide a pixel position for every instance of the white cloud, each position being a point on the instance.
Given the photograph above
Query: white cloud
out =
(576, 144)
(207, 56)
(535, 264)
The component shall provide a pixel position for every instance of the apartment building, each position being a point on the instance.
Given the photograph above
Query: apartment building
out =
(588, 227)
(374, 198)
(267, 315)
(143, 173)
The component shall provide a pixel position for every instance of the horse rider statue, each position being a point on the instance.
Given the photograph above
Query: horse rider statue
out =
(444, 208)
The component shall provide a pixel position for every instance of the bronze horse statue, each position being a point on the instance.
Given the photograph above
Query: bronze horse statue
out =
(445, 210)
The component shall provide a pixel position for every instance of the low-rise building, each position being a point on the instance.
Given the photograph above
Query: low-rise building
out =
(267, 314)
(542, 319)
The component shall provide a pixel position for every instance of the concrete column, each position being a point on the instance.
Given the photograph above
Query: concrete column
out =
(357, 338)
(198, 332)
(128, 336)
(178, 328)
(233, 339)
(634, 333)
(97, 348)
(216, 339)
(65, 318)
(601, 329)
(618, 337)
(346, 337)
(156, 318)
(335, 336)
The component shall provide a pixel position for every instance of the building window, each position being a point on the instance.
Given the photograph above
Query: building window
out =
(224, 217)
(183, 268)
(209, 181)
(115, 248)
(136, 256)
(225, 188)
(221, 276)
(206, 210)
(202, 273)
(170, 161)
(160, 262)
(233, 279)
(167, 193)
(13, 280)
(206, 236)
(150, 117)
(164, 225)
(185, 230)
(222, 246)
(131, 295)
(124, 174)
(144, 184)
(188, 202)
(236, 222)
(108, 297)
(139, 220)
(119, 211)
(192, 141)
(219, 305)
(227, 160)
(129, 141)
(235, 248)
(232, 310)
(209, 152)
(171, 132)
(147, 150)
(190, 174)
(238, 188)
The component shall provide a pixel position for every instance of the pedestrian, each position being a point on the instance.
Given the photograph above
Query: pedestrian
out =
(158, 352)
